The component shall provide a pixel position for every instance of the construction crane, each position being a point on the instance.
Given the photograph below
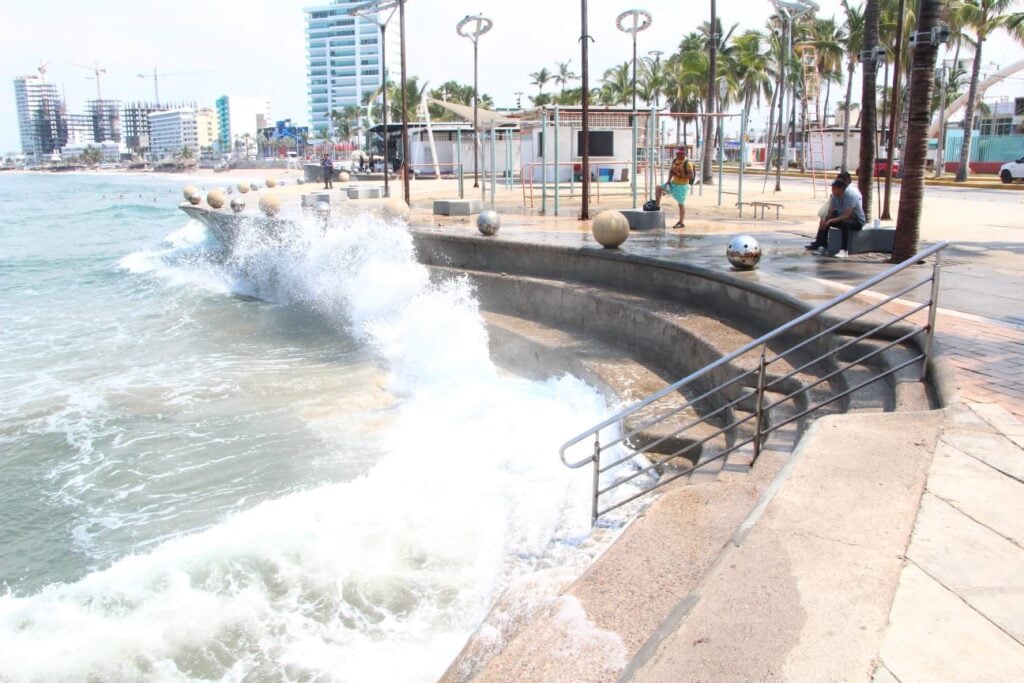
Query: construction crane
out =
(95, 68)
(42, 69)
(156, 80)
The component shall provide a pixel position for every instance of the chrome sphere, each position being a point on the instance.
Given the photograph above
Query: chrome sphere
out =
(254, 186)
(238, 205)
(323, 207)
(299, 181)
(194, 199)
(743, 252)
(488, 222)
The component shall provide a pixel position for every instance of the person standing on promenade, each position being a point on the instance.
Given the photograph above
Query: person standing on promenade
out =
(328, 167)
(680, 178)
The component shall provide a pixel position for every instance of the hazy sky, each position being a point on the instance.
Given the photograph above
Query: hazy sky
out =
(258, 46)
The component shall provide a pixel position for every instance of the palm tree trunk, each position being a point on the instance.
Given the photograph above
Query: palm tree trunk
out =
(868, 125)
(972, 95)
(908, 219)
(846, 122)
(706, 176)
(768, 139)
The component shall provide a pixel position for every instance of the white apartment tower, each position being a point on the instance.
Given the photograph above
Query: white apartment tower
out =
(41, 115)
(172, 130)
(344, 57)
(240, 118)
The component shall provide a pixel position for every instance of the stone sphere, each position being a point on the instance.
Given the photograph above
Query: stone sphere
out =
(243, 187)
(189, 191)
(743, 252)
(344, 177)
(394, 209)
(270, 205)
(216, 199)
(194, 199)
(610, 229)
(488, 222)
(238, 205)
(271, 182)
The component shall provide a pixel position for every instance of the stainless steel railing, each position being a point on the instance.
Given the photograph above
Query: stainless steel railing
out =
(739, 400)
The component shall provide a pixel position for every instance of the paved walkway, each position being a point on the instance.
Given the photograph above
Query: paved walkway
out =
(957, 608)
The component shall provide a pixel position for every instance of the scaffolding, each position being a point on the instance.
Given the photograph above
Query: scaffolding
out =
(814, 133)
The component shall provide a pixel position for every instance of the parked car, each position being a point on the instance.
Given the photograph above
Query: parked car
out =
(1011, 171)
(882, 168)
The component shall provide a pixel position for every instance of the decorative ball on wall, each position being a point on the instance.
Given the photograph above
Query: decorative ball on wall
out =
(243, 187)
(743, 252)
(610, 229)
(344, 177)
(270, 205)
(271, 182)
(488, 222)
(189, 191)
(238, 205)
(216, 199)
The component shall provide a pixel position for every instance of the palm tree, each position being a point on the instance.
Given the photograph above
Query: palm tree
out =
(564, 75)
(868, 127)
(616, 85)
(827, 38)
(916, 149)
(983, 17)
(750, 68)
(685, 74)
(540, 79)
(651, 81)
(852, 43)
(712, 30)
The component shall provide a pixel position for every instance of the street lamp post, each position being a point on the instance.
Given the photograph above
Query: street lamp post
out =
(472, 27)
(790, 11)
(633, 21)
(372, 11)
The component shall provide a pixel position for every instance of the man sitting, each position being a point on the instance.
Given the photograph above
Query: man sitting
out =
(845, 212)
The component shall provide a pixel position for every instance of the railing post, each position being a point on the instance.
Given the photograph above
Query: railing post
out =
(597, 478)
(759, 406)
(932, 303)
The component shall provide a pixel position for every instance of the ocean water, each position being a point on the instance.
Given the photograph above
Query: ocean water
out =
(296, 463)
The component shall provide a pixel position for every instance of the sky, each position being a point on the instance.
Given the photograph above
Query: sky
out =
(257, 47)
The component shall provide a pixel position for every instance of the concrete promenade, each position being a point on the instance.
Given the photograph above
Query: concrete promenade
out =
(892, 546)
(807, 593)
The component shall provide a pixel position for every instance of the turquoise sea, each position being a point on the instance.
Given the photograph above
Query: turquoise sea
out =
(294, 463)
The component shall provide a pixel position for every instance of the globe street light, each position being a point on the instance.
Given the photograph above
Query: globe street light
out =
(472, 27)
(371, 11)
(633, 21)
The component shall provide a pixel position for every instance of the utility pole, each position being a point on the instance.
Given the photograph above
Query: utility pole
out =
(891, 147)
(585, 79)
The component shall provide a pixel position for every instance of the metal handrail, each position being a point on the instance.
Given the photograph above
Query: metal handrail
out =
(832, 371)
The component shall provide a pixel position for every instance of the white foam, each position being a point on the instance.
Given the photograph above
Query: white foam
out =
(379, 578)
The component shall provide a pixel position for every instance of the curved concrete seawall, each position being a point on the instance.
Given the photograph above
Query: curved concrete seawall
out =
(630, 324)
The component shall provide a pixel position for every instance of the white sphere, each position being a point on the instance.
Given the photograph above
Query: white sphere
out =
(270, 204)
(610, 229)
(216, 199)
(743, 252)
(488, 222)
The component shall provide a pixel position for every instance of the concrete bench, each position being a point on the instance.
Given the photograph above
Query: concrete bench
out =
(457, 207)
(863, 240)
(644, 220)
(365, 192)
(760, 205)
(311, 199)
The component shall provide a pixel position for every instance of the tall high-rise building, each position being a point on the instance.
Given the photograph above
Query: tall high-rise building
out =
(240, 116)
(106, 120)
(80, 129)
(172, 131)
(344, 57)
(41, 116)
